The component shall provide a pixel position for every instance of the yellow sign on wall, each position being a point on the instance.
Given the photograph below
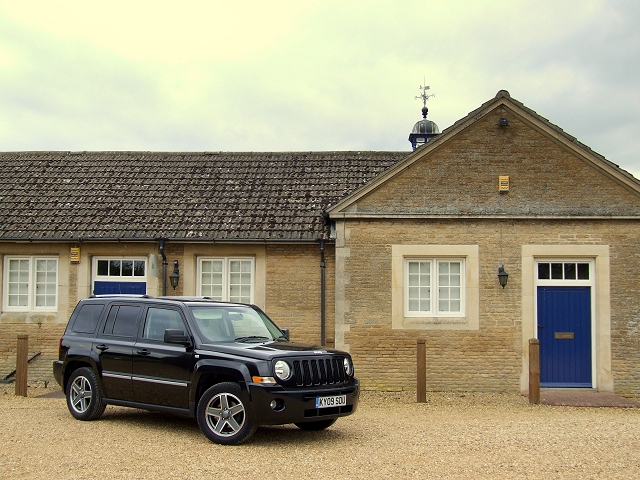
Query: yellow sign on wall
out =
(503, 183)
(75, 255)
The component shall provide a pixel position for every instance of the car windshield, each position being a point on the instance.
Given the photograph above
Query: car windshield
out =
(231, 323)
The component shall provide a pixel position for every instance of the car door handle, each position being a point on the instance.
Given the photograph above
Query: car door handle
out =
(102, 347)
(144, 352)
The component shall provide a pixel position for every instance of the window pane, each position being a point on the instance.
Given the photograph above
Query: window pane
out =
(126, 321)
(583, 271)
(127, 268)
(103, 267)
(544, 271)
(570, 271)
(556, 271)
(139, 268)
(211, 279)
(419, 286)
(114, 268)
(87, 319)
(216, 292)
(45, 283)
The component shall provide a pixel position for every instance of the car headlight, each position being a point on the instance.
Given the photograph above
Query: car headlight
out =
(348, 366)
(282, 370)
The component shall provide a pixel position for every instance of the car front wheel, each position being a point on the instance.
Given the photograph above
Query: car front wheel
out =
(84, 399)
(222, 415)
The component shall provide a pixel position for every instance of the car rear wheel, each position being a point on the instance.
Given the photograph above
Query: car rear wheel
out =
(222, 415)
(84, 399)
(317, 425)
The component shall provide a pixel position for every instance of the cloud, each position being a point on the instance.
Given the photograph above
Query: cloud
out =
(273, 76)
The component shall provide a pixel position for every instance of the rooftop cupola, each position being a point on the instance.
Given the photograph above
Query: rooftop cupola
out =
(424, 130)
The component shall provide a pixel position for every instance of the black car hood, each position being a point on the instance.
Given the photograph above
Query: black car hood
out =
(267, 350)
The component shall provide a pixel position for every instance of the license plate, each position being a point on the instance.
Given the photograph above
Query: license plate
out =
(336, 401)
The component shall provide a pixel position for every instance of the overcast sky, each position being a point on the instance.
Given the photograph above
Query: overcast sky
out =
(309, 75)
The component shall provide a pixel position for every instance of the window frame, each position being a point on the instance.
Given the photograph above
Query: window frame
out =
(226, 275)
(119, 278)
(470, 320)
(434, 286)
(31, 284)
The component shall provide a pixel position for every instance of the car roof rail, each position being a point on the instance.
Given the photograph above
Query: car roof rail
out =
(121, 295)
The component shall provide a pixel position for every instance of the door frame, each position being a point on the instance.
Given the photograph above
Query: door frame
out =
(602, 377)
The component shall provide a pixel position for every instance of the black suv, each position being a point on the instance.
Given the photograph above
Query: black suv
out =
(226, 364)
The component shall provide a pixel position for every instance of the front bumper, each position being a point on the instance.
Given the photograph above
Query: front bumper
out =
(298, 405)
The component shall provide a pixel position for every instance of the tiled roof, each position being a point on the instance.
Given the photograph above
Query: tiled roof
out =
(191, 196)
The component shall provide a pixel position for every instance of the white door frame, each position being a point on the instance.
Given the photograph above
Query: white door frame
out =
(601, 307)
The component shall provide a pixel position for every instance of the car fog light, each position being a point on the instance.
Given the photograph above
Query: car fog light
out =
(277, 405)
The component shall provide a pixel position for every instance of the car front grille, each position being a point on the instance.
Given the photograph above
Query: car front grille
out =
(320, 371)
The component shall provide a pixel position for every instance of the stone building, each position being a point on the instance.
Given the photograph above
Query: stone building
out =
(367, 251)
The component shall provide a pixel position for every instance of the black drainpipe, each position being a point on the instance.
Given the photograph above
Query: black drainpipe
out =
(164, 268)
(322, 295)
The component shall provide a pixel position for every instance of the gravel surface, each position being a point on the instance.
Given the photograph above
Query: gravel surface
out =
(451, 436)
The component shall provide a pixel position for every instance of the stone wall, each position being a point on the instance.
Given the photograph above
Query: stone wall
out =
(449, 196)
(293, 290)
(489, 359)
(287, 287)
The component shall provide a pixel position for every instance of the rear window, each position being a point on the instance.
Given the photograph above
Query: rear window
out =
(87, 319)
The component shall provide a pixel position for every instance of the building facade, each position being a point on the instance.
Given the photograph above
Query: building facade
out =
(367, 251)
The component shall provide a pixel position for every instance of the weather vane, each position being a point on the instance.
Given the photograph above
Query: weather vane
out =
(424, 95)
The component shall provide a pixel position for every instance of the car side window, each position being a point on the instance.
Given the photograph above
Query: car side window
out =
(87, 319)
(122, 321)
(158, 320)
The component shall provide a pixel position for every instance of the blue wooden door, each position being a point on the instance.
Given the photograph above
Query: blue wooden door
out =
(564, 331)
(110, 288)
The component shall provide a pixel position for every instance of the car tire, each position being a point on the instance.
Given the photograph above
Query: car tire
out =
(317, 425)
(84, 399)
(222, 415)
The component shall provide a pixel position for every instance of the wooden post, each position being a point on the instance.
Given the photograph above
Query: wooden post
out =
(534, 371)
(21, 365)
(422, 371)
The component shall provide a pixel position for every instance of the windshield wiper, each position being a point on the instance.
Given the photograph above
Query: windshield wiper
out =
(252, 337)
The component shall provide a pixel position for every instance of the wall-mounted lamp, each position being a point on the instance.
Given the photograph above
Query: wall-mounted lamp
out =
(502, 276)
(174, 278)
(503, 122)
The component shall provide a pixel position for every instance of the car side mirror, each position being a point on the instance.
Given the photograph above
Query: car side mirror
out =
(175, 335)
(285, 332)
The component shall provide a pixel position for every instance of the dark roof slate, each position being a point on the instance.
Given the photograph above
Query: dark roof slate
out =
(180, 196)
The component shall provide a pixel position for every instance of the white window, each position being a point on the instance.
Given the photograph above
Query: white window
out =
(30, 283)
(226, 278)
(435, 287)
(120, 269)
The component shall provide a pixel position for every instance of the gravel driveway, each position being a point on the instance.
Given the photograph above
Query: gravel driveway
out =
(452, 436)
